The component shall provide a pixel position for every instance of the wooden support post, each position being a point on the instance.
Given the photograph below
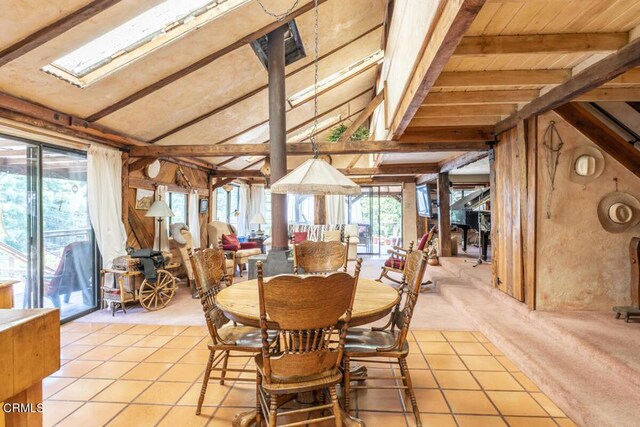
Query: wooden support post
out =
(320, 212)
(125, 191)
(531, 213)
(277, 136)
(444, 211)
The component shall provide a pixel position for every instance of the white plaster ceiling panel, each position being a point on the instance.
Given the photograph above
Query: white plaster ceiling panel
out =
(433, 157)
(222, 81)
(479, 167)
(23, 77)
(22, 18)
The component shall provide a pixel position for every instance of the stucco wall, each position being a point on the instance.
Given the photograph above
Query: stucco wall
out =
(580, 266)
(409, 214)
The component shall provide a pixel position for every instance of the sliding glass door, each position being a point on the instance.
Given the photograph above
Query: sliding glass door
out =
(46, 241)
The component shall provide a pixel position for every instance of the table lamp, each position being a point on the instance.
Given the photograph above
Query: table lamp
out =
(258, 219)
(159, 210)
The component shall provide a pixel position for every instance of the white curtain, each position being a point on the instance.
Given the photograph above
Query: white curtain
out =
(257, 200)
(161, 194)
(335, 209)
(243, 219)
(104, 191)
(194, 218)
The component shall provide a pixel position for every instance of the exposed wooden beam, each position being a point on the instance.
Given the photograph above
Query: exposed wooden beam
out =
(603, 136)
(387, 179)
(53, 30)
(427, 122)
(202, 62)
(590, 78)
(499, 78)
(221, 183)
(391, 169)
(541, 43)
(452, 24)
(363, 117)
(466, 110)
(480, 97)
(141, 163)
(257, 90)
(429, 177)
(448, 135)
(463, 160)
(417, 145)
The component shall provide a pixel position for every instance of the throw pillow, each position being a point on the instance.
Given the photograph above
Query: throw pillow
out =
(299, 236)
(332, 236)
(230, 240)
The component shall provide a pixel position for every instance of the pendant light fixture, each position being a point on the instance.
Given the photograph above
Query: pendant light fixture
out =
(315, 176)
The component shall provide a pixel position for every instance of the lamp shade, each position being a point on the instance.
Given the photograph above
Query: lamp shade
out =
(317, 177)
(159, 209)
(257, 219)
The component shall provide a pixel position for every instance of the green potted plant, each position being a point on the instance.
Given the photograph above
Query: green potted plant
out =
(361, 134)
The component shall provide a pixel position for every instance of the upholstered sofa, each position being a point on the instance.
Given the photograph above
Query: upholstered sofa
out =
(327, 232)
(217, 229)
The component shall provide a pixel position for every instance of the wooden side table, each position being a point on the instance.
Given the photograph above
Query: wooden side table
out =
(259, 241)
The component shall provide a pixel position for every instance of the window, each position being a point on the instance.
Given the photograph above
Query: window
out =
(338, 77)
(137, 37)
(228, 203)
(300, 209)
(178, 205)
(313, 130)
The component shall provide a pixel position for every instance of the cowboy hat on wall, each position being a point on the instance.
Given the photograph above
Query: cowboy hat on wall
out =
(587, 164)
(618, 212)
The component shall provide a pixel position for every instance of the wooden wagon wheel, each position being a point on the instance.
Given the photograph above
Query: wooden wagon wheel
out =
(156, 295)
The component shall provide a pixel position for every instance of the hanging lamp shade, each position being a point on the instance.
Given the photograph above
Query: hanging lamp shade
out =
(316, 177)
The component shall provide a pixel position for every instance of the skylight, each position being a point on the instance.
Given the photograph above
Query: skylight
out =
(137, 37)
(309, 132)
(337, 78)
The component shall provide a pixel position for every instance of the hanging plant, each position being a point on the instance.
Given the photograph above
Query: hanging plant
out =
(361, 134)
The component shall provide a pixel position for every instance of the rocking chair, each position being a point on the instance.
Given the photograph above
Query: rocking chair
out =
(396, 262)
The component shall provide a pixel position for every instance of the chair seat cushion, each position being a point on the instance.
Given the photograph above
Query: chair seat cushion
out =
(367, 341)
(248, 245)
(394, 263)
(244, 253)
(299, 384)
(243, 336)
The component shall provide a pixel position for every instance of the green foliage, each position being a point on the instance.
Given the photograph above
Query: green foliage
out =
(361, 134)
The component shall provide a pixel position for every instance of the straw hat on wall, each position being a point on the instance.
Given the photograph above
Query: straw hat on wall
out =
(587, 163)
(618, 212)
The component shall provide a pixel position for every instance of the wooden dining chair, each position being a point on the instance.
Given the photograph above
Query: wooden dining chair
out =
(210, 273)
(320, 257)
(398, 256)
(377, 345)
(306, 313)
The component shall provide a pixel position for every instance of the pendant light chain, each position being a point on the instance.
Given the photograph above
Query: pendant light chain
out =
(278, 16)
(314, 140)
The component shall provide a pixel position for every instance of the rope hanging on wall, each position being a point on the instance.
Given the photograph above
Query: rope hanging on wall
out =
(552, 151)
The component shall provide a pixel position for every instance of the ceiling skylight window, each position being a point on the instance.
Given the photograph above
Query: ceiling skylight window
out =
(337, 78)
(158, 26)
(308, 133)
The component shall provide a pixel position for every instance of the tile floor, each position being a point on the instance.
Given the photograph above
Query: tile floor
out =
(125, 374)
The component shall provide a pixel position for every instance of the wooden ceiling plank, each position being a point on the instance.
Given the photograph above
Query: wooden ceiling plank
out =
(453, 121)
(480, 97)
(445, 135)
(363, 117)
(502, 78)
(466, 110)
(463, 160)
(449, 30)
(541, 43)
(588, 79)
(201, 62)
(602, 135)
(611, 94)
(53, 30)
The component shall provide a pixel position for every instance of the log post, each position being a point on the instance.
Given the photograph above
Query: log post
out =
(320, 213)
(125, 191)
(444, 212)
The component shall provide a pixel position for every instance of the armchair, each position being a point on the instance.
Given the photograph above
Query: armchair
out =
(217, 229)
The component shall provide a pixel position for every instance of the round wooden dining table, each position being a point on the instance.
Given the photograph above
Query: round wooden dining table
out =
(373, 301)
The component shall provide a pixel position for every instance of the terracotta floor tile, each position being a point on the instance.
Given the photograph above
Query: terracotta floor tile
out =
(86, 327)
(124, 340)
(195, 331)
(428, 336)
(565, 422)
(459, 336)
(435, 347)
(437, 361)
(67, 338)
(147, 371)
(111, 370)
(507, 364)
(170, 330)
(53, 411)
(167, 355)
(186, 416)
(163, 393)
(481, 337)
(224, 416)
(134, 354)
(183, 372)
(482, 363)
(196, 356)
(429, 400)
(52, 385)
(516, 403)
(461, 380)
(74, 350)
(480, 421)
(416, 360)
(143, 329)
(213, 397)
(243, 395)
(76, 368)
(469, 402)
(92, 414)
(439, 420)
(530, 422)
(140, 416)
(117, 328)
(422, 378)
(203, 344)
(82, 389)
(182, 342)
(470, 348)
(95, 338)
(379, 400)
(548, 405)
(101, 352)
(153, 341)
(525, 381)
(122, 391)
(381, 419)
(492, 349)
(497, 381)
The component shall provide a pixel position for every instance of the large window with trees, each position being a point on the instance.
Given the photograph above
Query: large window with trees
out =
(228, 204)
(178, 204)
